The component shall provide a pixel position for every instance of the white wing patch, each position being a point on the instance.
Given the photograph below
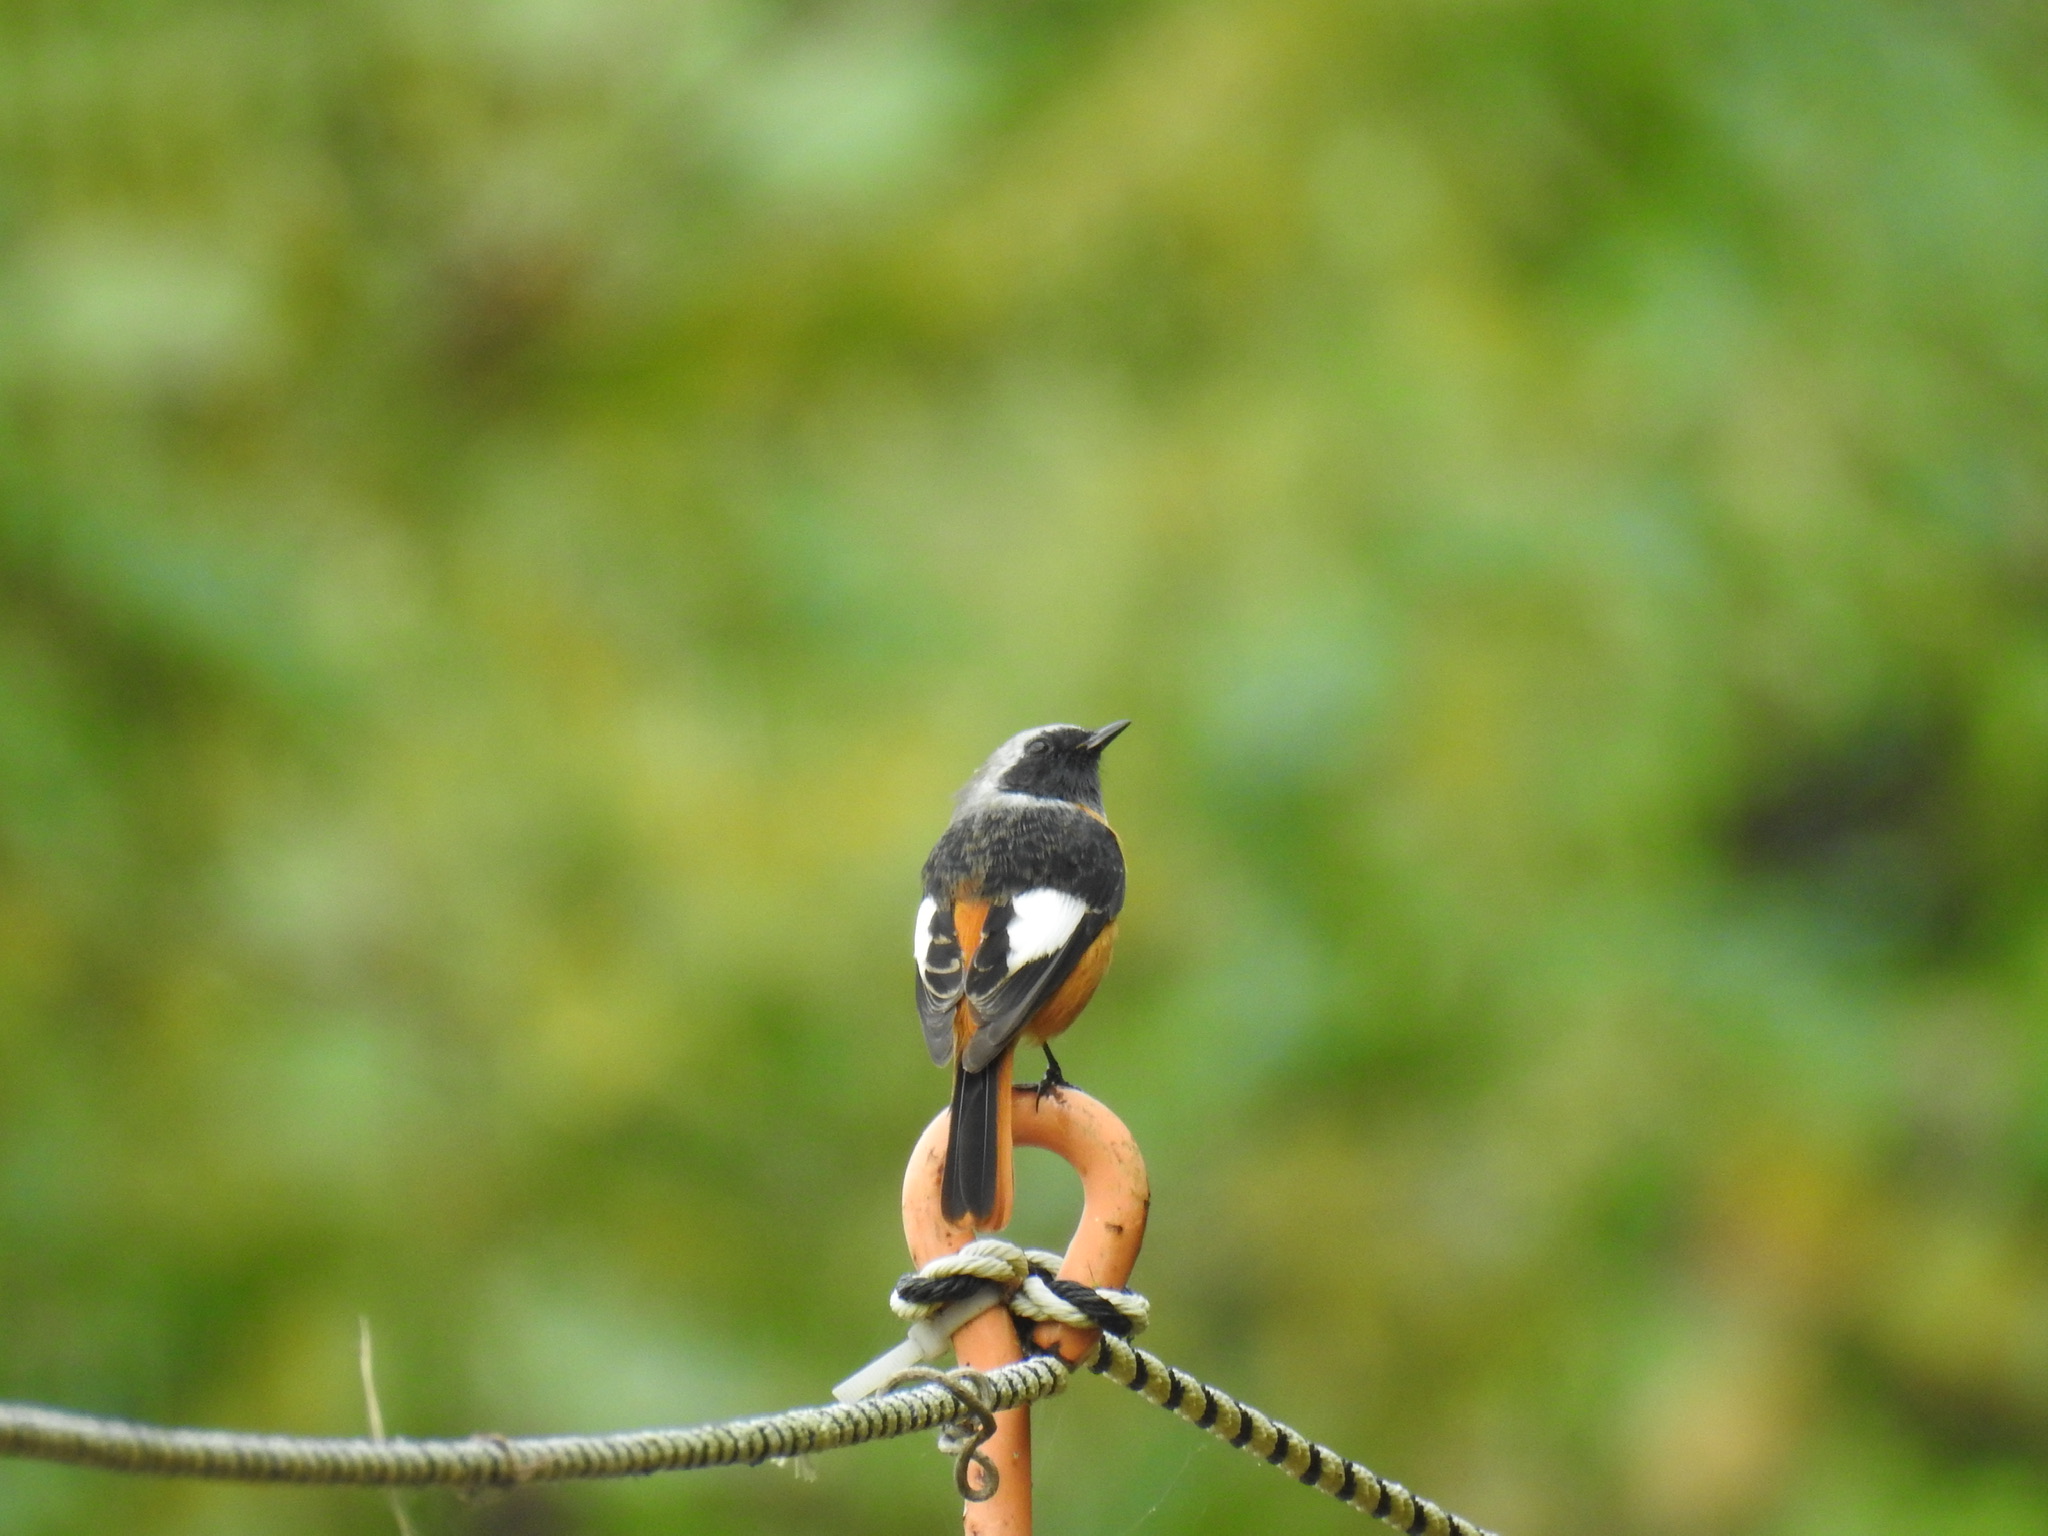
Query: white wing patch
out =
(1041, 921)
(921, 935)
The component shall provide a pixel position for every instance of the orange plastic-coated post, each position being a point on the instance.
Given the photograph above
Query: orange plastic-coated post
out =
(1116, 1198)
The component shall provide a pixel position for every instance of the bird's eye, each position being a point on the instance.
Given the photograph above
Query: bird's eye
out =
(1039, 747)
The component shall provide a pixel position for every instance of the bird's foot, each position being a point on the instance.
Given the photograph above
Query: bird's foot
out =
(1054, 1079)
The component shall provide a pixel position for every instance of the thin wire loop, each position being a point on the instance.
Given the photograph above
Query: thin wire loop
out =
(963, 1444)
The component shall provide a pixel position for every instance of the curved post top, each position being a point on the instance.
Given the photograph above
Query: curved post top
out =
(1116, 1195)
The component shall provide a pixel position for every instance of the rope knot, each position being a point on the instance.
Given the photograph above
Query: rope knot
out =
(1031, 1286)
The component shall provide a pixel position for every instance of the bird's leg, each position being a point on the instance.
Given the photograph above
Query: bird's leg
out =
(1054, 1079)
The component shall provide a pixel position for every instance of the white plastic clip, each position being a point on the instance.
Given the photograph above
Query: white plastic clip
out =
(930, 1338)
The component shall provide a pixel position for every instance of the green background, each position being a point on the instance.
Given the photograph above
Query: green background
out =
(515, 515)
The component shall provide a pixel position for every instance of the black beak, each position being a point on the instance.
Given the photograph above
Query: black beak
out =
(1105, 736)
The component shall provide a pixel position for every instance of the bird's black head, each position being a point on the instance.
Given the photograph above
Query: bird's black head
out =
(1059, 762)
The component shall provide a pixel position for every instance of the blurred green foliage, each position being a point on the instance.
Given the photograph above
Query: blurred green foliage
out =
(515, 516)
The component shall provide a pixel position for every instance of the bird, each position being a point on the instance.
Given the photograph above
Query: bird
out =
(1017, 925)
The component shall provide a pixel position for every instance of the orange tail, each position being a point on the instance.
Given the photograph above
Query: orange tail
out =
(978, 1182)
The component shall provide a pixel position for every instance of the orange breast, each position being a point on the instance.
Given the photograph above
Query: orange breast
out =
(1059, 1010)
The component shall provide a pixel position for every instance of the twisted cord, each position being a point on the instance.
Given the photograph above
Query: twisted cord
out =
(916, 1400)
(1238, 1423)
(1037, 1294)
(116, 1445)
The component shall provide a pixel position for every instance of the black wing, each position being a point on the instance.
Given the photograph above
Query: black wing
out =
(1004, 999)
(940, 981)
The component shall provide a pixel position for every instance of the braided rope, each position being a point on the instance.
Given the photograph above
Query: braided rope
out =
(959, 1403)
(115, 1445)
(1238, 1423)
(1037, 1294)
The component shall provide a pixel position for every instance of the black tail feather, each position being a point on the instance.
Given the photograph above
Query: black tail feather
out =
(969, 1187)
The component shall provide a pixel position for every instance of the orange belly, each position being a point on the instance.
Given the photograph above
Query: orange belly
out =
(1060, 1010)
(1056, 1012)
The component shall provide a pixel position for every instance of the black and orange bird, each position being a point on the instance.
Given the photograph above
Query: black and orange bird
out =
(1016, 928)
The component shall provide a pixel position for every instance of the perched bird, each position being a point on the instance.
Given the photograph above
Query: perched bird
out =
(1018, 920)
